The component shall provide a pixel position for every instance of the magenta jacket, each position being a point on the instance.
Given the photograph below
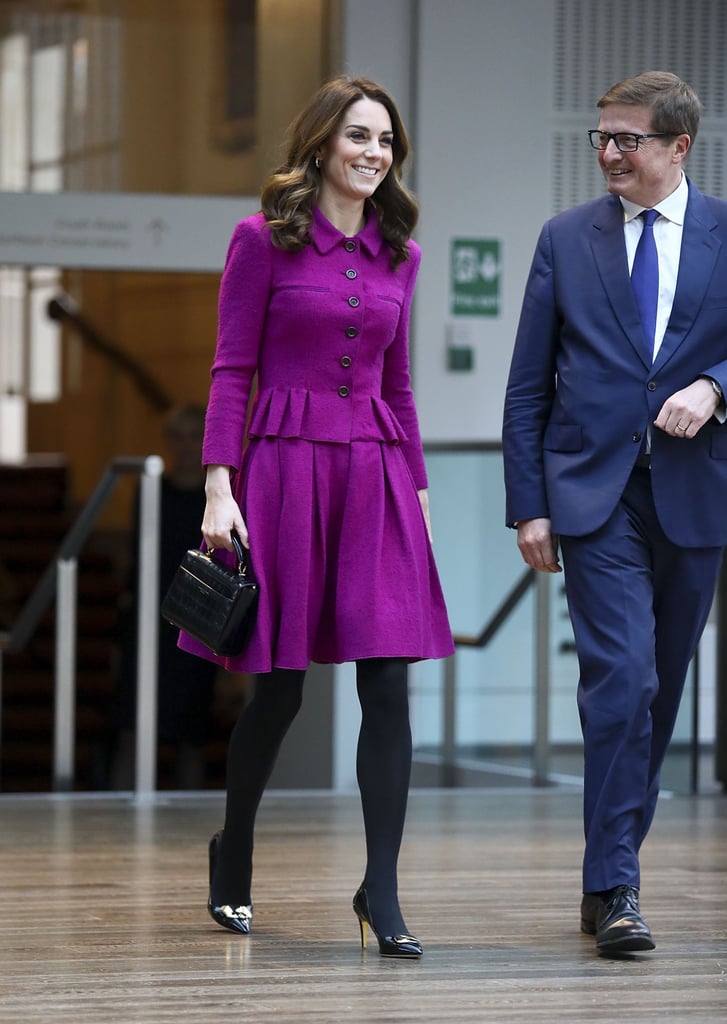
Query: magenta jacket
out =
(327, 330)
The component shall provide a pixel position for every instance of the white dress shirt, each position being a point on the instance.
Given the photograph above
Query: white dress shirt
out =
(668, 228)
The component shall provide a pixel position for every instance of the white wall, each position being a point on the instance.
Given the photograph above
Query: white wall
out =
(376, 42)
(483, 116)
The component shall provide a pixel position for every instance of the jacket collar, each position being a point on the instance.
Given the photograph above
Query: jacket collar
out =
(700, 247)
(325, 236)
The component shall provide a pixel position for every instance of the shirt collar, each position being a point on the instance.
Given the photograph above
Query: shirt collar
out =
(674, 207)
(325, 236)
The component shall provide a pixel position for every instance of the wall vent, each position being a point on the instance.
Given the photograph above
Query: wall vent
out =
(598, 44)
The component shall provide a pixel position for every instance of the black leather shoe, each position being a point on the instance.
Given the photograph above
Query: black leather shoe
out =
(407, 946)
(615, 919)
(237, 919)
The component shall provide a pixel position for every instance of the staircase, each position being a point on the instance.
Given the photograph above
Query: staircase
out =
(34, 517)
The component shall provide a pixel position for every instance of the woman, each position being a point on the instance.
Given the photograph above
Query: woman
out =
(330, 496)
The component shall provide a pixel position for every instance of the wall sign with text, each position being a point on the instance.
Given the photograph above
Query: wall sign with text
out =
(475, 276)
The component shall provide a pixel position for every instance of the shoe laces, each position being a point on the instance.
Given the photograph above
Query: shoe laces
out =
(630, 892)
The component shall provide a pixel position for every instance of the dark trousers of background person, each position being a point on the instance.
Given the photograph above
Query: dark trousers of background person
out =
(185, 694)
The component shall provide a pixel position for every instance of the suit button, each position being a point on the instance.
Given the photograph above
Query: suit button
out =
(349, 246)
(351, 332)
(353, 301)
(351, 274)
(651, 386)
(343, 391)
(345, 361)
(636, 436)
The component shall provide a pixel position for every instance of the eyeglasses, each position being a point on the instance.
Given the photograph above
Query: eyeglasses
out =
(625, 142)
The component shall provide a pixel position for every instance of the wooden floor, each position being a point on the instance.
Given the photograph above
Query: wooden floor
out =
(103, 920)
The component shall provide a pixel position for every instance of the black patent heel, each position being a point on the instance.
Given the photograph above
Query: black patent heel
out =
(404, 946)
(236, 919)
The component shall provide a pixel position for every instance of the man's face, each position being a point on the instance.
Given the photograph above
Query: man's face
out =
(651, 172)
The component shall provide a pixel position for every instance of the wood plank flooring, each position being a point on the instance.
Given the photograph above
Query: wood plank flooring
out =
(103, 920)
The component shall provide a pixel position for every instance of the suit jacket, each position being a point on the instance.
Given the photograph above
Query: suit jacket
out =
(581, 388)
(326, 329)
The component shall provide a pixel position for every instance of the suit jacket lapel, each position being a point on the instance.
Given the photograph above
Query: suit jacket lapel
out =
(609, 252)
(696, 266)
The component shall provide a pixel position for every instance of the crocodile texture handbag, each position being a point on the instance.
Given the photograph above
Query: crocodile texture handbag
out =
(213, 602)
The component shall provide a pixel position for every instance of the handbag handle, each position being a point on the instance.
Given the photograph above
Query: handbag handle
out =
(239, 552)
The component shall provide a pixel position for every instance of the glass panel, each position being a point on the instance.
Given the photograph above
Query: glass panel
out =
(47, 70)
(494, 721)
(479, 564)
(13, 112)
(12, 330)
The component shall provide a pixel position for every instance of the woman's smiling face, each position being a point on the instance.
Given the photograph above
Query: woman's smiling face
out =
(357, 157)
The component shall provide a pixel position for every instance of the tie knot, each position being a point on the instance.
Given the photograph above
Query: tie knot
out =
(648, 217)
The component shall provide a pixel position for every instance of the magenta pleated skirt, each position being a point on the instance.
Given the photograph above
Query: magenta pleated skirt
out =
(339, 546)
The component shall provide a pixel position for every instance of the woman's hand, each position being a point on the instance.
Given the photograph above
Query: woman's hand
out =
(222, 514)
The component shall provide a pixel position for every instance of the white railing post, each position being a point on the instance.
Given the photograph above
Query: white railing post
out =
(449, 722)
(64, 726)
(148, 626)
(541, 738)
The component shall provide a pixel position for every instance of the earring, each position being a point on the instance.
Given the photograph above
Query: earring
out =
(318, 162)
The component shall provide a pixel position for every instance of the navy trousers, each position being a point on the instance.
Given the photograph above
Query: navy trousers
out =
(638, 604)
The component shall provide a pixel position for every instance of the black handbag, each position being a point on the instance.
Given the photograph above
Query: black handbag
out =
(212, 602)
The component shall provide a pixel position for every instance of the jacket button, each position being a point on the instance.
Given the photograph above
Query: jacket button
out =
(651, 386)
(351, 332)
(343, 391)
(349, 246)
(351, 274)
(636, 436)
(353, 301)
(345, 361)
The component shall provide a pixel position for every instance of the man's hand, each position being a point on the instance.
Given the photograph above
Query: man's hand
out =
(538, 546)
(685, 412)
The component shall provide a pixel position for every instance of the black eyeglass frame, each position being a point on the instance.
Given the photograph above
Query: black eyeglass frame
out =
(634, 135)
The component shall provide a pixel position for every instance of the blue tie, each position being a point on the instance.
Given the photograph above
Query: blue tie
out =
(645, 279)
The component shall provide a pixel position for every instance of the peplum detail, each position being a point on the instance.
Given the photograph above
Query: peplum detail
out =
(317, 416)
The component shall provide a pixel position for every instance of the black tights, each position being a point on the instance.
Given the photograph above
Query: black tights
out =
(383, 766)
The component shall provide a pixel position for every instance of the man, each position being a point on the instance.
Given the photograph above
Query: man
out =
(614, 451)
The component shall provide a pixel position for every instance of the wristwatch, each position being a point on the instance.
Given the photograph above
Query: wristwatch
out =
(717, 389)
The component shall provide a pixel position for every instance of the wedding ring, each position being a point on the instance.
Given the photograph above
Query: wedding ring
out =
(680, 427)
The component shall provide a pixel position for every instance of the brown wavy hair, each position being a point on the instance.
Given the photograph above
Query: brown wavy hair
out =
(290, 192)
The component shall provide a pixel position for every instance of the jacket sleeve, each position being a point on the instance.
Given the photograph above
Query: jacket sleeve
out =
(530, 391)
(242, 308)
(396, 389)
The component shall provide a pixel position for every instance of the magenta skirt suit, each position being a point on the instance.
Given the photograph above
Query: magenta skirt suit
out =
(328, 481)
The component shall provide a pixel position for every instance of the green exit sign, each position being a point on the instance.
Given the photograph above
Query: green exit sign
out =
(475, 276)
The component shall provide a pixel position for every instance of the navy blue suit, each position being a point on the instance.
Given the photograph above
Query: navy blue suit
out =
(641, 550)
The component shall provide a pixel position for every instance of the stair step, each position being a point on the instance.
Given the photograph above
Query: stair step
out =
(38, 721)
(35, 683)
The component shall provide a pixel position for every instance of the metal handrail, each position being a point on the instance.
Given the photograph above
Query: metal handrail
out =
(502, 613)
(64, 309)
(59, 581)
